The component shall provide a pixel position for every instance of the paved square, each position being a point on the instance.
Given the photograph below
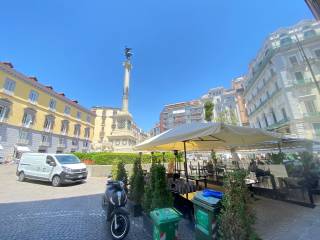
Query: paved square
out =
(35, 210)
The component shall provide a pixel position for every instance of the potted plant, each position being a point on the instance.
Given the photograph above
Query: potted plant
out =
(236, 218)
(156, 194)
(137, 188)
(121, 174)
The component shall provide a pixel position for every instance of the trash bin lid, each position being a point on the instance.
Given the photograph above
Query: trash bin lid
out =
(208, 200)
(165, 215)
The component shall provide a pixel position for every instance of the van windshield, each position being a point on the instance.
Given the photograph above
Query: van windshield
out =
(67, 159)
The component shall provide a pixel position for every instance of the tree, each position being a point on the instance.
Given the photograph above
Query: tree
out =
(121, 174)
(161, 196)
(222, 117)
(157, 194)
(149, 189)
(233, 117)
(137, 182)
(208, 108)
(236, 218)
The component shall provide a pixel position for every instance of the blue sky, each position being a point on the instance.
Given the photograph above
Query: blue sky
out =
(181, 48)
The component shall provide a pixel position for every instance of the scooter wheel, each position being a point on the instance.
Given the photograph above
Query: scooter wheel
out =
(123, 227)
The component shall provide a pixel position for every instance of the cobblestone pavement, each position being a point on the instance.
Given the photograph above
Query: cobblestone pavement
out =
(34, 210)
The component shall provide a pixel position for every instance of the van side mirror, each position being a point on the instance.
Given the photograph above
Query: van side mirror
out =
(51, 162)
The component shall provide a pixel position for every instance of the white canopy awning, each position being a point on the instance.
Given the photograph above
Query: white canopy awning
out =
(22, 148)
(206, 137)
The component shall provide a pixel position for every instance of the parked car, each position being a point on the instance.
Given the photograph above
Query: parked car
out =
(54, 168)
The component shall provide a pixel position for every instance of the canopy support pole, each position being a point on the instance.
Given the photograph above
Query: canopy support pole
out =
(186, 166)
(185, 161)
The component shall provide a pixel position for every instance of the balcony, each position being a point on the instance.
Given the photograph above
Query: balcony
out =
(278, 124)
(62, 145)
(23, 141)
(311, 114)
(259, 68)
(45, 144)
(264, 102)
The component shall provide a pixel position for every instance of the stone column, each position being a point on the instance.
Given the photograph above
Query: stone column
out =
(125, 98)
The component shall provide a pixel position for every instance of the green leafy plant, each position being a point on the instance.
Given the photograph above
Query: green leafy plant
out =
(157, 194)
(110, 158)
(161, 196)
(236, 218)
(137, 183)
(149, 188)
(208, 108)
(277, 158)
(121, 174)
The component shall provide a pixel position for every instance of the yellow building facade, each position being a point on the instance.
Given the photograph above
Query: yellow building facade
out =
(33, 117)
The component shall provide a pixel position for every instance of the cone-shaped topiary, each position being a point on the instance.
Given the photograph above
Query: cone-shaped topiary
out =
(236, 218)
(121, 174)
(149, 188)
(161, 196)
(137, 182)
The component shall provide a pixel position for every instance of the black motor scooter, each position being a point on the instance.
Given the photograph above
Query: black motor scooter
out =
(114, 201)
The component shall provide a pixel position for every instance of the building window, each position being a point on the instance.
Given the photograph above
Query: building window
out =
(317, 52)
(78, 115)
(273, 116)
(309, 33)
(299, 77)
(9, 86)
(265, 120)
(121, 123)
(23, 135)
(64, 126)
(88, 118)
(87, 132)
(77, 130)
(284, 114)
(33, 96)
(293, 60)
(67, 110)
(45, 138)
(4, 109)
(74, 142)
(48, 123)
(285, 41)
(28, 119)
(259, 123)
(316, 127)
(310, 107)
(52, 104)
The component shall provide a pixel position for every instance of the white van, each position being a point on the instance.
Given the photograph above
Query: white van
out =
(55, 168)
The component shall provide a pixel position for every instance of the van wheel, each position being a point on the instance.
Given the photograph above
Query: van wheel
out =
(21, 177)
(56, 181)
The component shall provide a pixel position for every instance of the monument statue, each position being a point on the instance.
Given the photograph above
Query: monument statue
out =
(128, 53)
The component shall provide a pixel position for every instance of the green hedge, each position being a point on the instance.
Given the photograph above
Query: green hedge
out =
(110, 158)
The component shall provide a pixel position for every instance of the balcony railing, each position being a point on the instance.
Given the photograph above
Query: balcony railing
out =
(264, 102)
(278, 124)
(45, 144)
(23, 141)
(312, 114)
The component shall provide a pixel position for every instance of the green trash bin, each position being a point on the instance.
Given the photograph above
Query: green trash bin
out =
(165, 223)
(206, 210)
